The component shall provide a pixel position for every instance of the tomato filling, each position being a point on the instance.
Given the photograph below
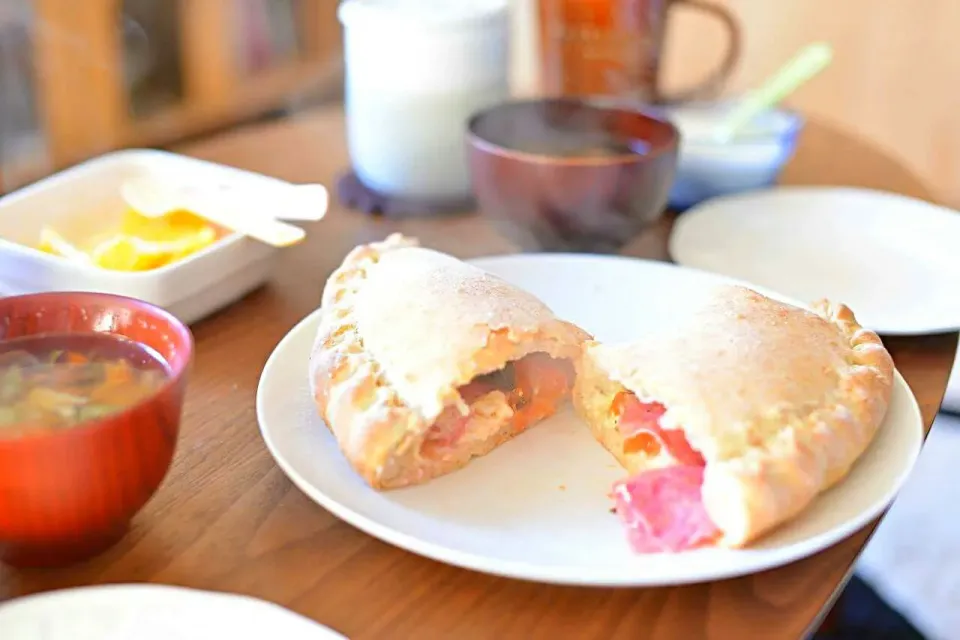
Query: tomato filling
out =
(662, 509)
(533, 386)
(639, 422)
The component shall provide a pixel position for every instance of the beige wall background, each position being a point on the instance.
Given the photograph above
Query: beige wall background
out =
(894, 84)
(895, 79)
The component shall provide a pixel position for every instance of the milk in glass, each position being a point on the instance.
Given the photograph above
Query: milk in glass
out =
(416, 70)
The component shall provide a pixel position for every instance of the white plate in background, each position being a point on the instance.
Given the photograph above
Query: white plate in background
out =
(537, 507)
(151, 612)
(894, 260)
(951, 398)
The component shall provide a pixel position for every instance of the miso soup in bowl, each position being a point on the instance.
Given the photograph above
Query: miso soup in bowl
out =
(58, 381)
(91, 392)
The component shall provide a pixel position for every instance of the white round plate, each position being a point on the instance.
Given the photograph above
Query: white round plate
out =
(894, 260)
(151, 612)
(537, 508)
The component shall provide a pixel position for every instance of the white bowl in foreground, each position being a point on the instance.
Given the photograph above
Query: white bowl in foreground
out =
(152, 612)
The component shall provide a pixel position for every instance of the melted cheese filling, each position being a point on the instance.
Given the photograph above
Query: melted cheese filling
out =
(521, 394)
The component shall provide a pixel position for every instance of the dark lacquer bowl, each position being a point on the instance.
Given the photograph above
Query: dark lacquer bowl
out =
(69, 494)
(570, 174)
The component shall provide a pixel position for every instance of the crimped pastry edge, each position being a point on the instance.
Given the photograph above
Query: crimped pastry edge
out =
(742, 508)
(379, 433)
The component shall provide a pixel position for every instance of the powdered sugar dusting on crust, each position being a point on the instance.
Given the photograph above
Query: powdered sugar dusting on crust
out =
(401, 329)
(736, 370)
(424, 315)
(348, 384)
(780, 401)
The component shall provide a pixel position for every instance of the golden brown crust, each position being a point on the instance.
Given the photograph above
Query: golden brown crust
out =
(402, 328)
(779, 401)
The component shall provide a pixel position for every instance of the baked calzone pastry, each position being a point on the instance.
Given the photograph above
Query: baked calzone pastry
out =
(735, 419)
(422, 362)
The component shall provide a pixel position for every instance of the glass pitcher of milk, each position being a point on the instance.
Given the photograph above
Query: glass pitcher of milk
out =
(416, 70)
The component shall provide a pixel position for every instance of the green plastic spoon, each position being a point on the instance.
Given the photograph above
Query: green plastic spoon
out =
(807, 63)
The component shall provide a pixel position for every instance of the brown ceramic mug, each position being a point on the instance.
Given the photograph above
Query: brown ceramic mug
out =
(613, 48)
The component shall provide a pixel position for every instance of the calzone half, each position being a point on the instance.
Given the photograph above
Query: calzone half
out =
(733, 420)
(422, 362)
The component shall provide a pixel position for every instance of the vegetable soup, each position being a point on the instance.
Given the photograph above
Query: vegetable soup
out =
(56, 381)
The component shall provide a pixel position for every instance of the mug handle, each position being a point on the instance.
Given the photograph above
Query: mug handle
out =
(718, 77)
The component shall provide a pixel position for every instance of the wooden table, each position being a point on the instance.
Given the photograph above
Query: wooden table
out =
(227, 518)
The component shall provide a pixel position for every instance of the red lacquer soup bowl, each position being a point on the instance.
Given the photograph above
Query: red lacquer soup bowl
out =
(67, 494)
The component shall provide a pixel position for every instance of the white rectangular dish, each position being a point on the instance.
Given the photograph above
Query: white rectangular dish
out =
(88, 196)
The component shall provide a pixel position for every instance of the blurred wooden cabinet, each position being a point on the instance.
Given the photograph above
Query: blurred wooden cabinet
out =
(78, 78)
